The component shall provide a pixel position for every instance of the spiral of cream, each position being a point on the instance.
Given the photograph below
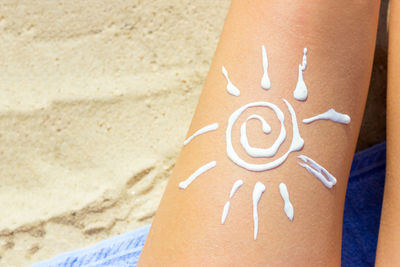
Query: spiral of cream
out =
(296, 145)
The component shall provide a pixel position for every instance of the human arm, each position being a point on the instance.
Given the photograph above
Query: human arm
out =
(187, 229)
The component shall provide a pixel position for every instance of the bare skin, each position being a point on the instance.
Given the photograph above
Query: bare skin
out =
(389, 232)
(340, 37)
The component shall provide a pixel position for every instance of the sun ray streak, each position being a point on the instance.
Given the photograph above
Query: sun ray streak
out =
(288, 207)
(225, 211)
(259, 188)
(297, 141)
(318, 171)
(235, 187)
(301, 92)
(205, 129)
(332, 115)
(265, 81)
(232, 89)
(197, 173)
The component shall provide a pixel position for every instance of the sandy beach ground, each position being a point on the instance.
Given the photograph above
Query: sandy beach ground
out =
(95, 100)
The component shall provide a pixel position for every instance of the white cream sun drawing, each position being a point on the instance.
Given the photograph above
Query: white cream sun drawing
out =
(300, 93)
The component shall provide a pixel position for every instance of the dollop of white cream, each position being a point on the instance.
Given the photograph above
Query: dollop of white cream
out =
(232, 89)
(301, 92)
(259, 188)
(197, 173)
(332, 115)
(288, 207)
(203, 130)
(318, 171)
(265, 81)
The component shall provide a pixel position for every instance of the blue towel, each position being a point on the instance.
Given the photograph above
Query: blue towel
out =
(360, 223)
(362, 210)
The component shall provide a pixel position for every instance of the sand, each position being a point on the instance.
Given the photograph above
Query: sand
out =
(95, 101)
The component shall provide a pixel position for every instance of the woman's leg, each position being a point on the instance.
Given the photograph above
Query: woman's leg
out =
(389, 232)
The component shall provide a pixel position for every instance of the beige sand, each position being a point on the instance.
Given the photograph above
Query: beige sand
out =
(95, 100)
